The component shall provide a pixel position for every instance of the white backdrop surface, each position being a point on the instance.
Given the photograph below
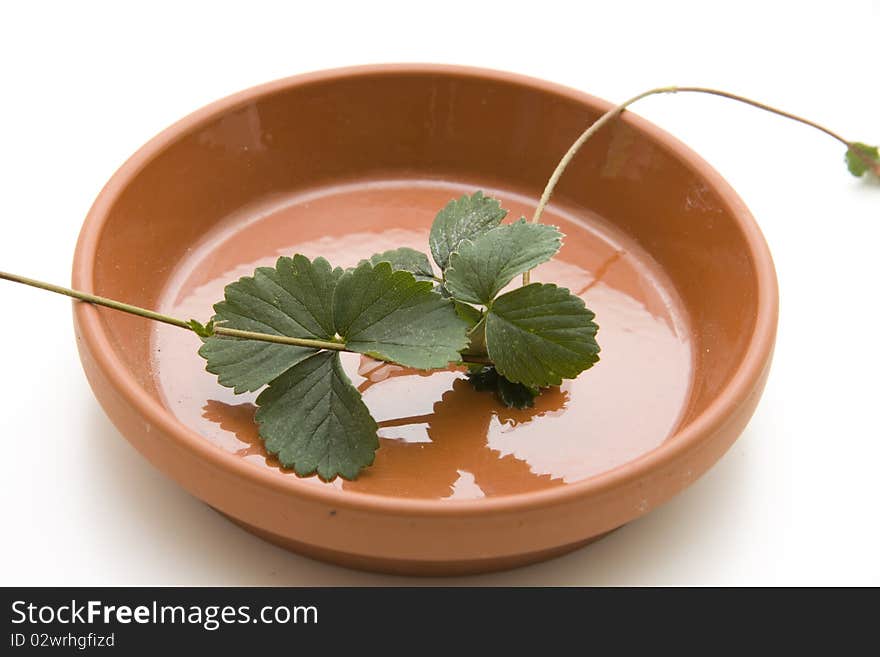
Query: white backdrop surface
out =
(794, 502)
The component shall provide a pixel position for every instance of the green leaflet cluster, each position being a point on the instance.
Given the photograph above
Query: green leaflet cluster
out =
(535, 335)
(394, 307)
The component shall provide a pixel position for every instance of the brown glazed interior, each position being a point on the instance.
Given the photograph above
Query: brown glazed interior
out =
(423, 131)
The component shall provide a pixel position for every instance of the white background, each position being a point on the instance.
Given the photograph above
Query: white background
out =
(797, 499)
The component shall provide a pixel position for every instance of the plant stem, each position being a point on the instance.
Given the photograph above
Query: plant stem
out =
(281, 339)
(472, 359)
(166, 319)
(612, 113)
(536, 217)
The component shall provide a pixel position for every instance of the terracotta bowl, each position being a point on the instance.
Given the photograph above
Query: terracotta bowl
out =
(349, 162)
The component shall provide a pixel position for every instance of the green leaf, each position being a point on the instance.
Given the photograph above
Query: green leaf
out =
(201, 330)
(512, 395)
(407, 259)
(539, 334)
(856, 156)
(462, 219)
(248, 365)
(482, 267)
(390, 315)
(294, 299)
(314, 419)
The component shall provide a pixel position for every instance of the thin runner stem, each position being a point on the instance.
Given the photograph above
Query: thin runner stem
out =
(467, 359)
(612, 113)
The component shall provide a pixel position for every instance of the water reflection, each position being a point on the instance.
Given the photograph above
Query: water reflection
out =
(454, 460)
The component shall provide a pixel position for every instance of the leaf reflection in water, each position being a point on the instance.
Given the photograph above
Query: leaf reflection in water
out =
(452, 460)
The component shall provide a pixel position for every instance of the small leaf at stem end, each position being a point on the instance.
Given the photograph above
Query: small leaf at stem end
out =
(861, 158)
